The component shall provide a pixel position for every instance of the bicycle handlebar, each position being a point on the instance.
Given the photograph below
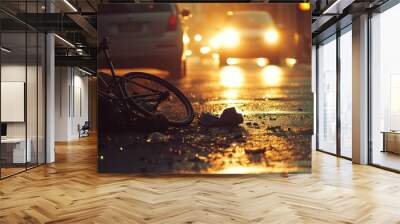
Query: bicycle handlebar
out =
(104, 44)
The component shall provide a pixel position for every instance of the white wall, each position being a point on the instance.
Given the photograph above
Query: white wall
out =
(62, 82)
(71, 102)
(12, 73)
(80, 111)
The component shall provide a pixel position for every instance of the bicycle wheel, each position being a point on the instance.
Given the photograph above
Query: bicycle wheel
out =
(153, 95)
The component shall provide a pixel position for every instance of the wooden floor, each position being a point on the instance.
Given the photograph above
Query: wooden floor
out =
(5, 172)
(387, 159)
(71, 191)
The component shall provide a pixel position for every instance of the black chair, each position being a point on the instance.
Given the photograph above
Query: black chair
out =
(84, 130)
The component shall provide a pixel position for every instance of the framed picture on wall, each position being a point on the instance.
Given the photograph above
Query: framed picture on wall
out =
(12, 101)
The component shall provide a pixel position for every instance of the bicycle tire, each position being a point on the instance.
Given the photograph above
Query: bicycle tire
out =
(184, 100)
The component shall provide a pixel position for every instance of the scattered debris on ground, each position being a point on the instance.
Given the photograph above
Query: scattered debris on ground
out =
(275, 129)
(229, 118)
(157, 137)
(208, 120)
(255, 151)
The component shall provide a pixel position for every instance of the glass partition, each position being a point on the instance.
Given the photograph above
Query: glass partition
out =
(31, 100)
(346, 94)
(22, 91)
(327, 96)
(14, 153)
(385, 89)
(41, 97)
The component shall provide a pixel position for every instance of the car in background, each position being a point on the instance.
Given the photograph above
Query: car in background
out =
(146, 35)
(251, 34)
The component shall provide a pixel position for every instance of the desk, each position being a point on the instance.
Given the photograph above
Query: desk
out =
(13, 150)
(391, 141)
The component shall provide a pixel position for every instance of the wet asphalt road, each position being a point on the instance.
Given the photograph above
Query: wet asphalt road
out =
(275, 137)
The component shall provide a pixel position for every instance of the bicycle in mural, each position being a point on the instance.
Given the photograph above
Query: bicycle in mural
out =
(143, 94)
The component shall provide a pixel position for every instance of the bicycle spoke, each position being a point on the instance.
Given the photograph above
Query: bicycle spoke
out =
(144, 95)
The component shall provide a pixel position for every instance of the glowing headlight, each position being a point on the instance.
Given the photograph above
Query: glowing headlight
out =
(271, 36)
(229, 38)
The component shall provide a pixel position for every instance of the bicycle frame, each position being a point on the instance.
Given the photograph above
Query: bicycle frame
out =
(117, 92)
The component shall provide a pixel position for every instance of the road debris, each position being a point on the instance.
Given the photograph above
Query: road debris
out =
(157, 137)
(229, 118)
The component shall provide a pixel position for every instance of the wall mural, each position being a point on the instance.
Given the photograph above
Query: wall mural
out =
(192, 88)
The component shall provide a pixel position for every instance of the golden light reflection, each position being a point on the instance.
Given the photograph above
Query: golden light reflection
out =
(243, 169)
(214, 42)
(304, 6)
(290, 62)
(124, 71)
(232, 61)
(256, 169)
(261, 62)
(205, 50)
(231, 76)
(231, 99)
(236, 161)
(198, 37)
(188, 52)
(215, 56)
(185, 39)
(296, 38)
(272, 75)
(231, 94)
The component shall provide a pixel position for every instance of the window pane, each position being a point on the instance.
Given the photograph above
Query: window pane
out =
(314, 90)
(327, 97)
(385, 86)
(31, 97)
(346, 94)
(13, 86)
(41, 98)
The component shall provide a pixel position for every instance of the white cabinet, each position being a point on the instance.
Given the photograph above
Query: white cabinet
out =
(17, 147)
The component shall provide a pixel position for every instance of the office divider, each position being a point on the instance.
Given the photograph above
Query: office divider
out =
(22, 87)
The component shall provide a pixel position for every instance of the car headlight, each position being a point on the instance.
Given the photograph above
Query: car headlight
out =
(229, 38)
(271, 36)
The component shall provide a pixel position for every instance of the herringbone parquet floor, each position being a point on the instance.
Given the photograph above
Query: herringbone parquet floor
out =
(71, 191)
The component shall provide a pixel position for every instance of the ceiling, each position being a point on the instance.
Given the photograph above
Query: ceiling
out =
(75, 20)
